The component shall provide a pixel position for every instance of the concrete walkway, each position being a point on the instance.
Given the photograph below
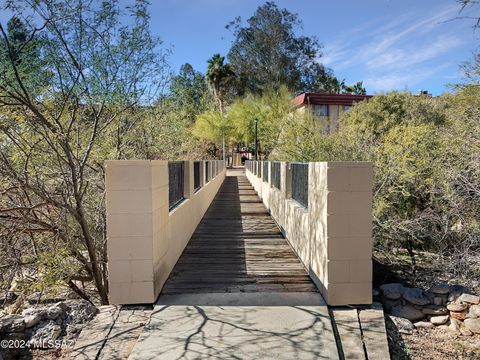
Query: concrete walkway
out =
(239, 327)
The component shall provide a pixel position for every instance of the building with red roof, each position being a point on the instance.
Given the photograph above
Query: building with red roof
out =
(327, 107)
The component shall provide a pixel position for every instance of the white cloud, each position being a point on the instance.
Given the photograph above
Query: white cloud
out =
(400, 80)
(412, 55)
(396, 54)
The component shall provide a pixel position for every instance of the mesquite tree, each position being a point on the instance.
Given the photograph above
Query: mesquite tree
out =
(69, 81)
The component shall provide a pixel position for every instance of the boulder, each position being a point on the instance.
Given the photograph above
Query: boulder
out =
(454, 326)
(465, 332)
(47, 331)
(439, 320)
(392, 291)
(423, 325)
(435, 310)
(403, 325)
(407, 312)
(457, 307)
(440, 289)
(469, 299)
(12, 324)
(54, 312)
(437, 300)
(32, 319)
(79, 312)
(456, 291)
(474, 311)
(389, 304)
(417, 296)
(34, 310)
(473, 325)
(458, 315)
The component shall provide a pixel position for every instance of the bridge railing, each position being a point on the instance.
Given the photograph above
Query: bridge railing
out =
(153, 208)
(324, 210)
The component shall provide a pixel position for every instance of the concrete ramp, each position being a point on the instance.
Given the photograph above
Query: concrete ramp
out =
(237, 332)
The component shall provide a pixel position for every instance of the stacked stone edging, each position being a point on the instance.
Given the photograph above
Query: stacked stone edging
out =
(450, 307)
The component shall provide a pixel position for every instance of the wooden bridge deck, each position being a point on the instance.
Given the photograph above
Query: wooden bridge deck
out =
(237, 247)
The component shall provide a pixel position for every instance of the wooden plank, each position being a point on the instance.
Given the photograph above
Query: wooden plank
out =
(237, 247)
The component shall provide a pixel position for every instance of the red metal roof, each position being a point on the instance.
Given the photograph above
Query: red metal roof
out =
(328, 99)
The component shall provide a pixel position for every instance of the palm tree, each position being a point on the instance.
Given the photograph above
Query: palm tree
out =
(219, 77)
(356, 88)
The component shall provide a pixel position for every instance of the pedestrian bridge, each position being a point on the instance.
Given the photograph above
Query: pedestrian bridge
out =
(242, 262)
(193, 227)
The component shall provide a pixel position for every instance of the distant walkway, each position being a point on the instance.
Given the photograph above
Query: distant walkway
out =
(237, 247)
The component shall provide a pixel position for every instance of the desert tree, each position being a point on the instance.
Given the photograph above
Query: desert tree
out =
(94, 63)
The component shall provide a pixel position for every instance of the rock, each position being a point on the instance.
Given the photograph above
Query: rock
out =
(465, 332)
(32, 319)
(54, 312)
(456, 291)
(454, 326)
(407, 312)
(437, 300)
(439, 320)
(417, 296)
(12, 324)
(403, 325)
(473, 325)
(440, 289)
(469, 299)
(456, 307)
(79, 312)
(35, 297)
(423, 325)
(33, 310)
(434, 310)
(47, 331)
(474, 311)
(458, 315)
(389, 304)
(392, 291)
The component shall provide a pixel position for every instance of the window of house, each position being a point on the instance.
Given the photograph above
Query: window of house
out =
(347, 107)
(320, 110)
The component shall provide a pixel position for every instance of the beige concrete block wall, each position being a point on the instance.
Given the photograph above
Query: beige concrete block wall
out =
(333, 236)
(144, 238)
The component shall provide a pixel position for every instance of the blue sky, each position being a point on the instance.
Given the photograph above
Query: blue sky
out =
(389, 44)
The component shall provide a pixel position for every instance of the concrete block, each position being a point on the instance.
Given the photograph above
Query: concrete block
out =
(129, 201)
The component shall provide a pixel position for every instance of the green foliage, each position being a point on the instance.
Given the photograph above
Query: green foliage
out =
(427, 174)
(189, 92)
(220, 77)
(103, 77)
(356, 88)
(270, 109)
(267, 53)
